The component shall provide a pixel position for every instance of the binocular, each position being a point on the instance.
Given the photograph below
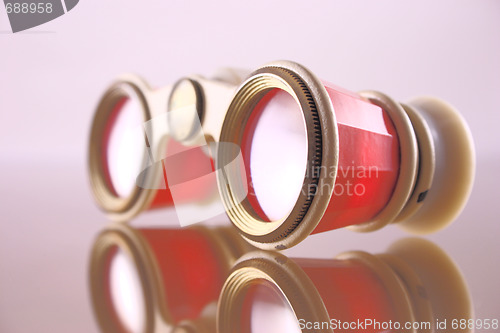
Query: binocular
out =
(281, 152)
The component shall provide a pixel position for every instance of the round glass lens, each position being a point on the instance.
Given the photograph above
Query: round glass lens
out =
(125, 146)
(278, 153)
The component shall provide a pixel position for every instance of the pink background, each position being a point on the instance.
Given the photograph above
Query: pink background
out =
(52, 76)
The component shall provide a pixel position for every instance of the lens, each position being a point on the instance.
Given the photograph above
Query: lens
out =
(126, 292)
(266, 310)
(277, 154)
(125, 144)
(185, 110)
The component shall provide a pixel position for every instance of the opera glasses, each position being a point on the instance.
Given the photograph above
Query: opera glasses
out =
(150, 280)
(413, 287)
(282, 153)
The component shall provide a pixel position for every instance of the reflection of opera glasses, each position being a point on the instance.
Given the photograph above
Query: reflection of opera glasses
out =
(314, 157)
(412, 287)
(148, 280)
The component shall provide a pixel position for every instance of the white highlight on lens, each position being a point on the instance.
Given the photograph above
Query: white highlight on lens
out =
(126, 148)
(278, 158)
(270, 312)
(127, 293)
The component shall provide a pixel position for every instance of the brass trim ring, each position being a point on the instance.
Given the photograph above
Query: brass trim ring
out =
(426, 163)
(276, 269)
(408, 162)
(323, 150)
(118, 208)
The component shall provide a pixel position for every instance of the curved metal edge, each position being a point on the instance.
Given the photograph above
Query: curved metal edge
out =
(274, 268)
